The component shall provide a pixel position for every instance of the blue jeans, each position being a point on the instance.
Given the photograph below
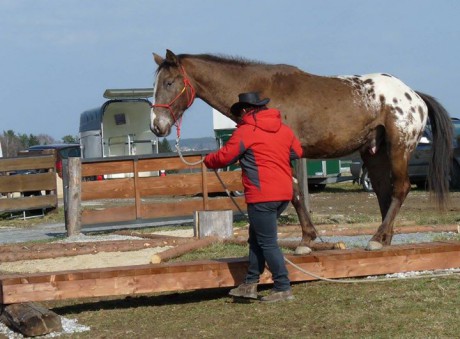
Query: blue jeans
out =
(263, 244)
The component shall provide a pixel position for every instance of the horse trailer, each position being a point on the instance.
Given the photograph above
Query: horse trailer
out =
(120, 127)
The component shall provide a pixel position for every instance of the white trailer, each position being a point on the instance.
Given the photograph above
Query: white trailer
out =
(120, 127)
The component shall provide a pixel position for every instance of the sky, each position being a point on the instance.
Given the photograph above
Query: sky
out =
(57, 57)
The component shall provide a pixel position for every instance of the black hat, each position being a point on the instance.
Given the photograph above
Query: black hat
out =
(247, 99)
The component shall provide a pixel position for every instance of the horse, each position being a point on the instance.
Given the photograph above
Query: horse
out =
(376, 115)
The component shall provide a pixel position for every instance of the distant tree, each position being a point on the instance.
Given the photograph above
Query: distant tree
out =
(164, 146)
(45, 139)
(70, 139)
(33, 140)
(11, 144)
(23, 141)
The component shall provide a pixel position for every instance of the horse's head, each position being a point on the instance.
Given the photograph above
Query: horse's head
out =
(172, 94)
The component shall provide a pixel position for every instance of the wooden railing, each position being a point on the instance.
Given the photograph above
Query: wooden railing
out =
(28, 183)
(132, 193)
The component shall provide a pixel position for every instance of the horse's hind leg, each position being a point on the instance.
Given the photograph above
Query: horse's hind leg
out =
(308, 230)
(389, 178)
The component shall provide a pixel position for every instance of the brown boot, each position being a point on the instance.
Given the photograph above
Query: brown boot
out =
(245, 291)
(275, 296)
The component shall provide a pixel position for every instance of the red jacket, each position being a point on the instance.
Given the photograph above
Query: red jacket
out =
(264, 146)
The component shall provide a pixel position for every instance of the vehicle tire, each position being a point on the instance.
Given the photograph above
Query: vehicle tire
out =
(366, 181)
(316, 187)
(455, 176)
(421, 185)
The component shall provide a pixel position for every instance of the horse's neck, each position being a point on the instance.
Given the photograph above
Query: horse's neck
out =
(218, 85)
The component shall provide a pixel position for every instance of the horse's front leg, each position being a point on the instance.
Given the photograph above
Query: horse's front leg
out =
(308, 230)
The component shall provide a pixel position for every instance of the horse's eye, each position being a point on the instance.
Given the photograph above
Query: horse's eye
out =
(169, 84)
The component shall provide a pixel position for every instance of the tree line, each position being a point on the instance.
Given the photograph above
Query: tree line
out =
(12, 143)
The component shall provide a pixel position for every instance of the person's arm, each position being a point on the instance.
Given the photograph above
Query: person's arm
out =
(296, 149)
(228, 154)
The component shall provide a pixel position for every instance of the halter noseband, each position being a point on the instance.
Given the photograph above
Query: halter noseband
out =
(189, 91)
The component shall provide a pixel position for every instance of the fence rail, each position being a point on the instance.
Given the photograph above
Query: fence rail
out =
(28, 183)
(133, 194)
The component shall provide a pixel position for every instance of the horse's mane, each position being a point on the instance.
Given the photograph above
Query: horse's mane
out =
(222, 59)
(219, 59)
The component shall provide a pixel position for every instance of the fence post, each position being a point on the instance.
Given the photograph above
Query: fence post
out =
(72, 195)
(302, 177)
(204, 183)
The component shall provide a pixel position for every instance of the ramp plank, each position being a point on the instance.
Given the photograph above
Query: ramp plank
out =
(144, 279)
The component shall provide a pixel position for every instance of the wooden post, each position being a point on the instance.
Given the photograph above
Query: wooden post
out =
(72, 196)
(213, 223)
(137, 192)
(302, 177)
(204, 181)
(31, 319)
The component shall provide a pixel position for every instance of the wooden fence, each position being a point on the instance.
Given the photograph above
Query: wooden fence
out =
(133, 193)
(28, 183)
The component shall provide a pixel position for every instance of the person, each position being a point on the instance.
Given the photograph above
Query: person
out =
(264, 147)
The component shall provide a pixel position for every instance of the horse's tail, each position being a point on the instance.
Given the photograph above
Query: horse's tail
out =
(441, 150)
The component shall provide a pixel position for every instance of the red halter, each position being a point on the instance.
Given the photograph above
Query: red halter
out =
(189, 91)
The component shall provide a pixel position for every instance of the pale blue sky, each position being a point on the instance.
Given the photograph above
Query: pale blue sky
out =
(58, 56)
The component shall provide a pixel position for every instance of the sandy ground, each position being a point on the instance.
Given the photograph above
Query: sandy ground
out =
(97, 260)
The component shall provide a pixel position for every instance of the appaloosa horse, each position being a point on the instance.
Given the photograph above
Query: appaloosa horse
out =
(375, 114)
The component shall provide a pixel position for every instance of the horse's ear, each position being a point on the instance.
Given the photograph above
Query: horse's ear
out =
(158, 59)
(171, 57)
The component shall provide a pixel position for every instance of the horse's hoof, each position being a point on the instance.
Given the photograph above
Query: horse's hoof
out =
(340, 245)
(374, 246)
(301, 250)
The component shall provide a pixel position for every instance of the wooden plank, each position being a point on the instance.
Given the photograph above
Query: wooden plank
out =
(28, 182)
(178, 207)
(222, 273)
(108, 215)
(106, 167)
(231, 179)
(170, 163)
(27, 163)
(225, 203)
(28, 203)
(107, 189)
(182, 207)
(172, 184)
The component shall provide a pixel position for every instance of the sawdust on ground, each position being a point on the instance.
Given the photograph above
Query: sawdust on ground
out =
(88, 261)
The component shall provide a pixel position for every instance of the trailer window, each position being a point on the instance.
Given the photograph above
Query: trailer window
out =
(120, 119)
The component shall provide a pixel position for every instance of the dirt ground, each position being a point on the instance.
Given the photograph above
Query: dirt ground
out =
(335, 212)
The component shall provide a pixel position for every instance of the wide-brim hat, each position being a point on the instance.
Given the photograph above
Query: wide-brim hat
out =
(247, 99)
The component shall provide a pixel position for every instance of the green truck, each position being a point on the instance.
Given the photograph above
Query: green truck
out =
(320, 172)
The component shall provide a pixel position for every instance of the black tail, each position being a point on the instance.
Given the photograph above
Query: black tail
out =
(441, 159)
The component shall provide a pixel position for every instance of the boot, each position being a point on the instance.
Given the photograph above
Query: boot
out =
(245, 291)
(276, 296)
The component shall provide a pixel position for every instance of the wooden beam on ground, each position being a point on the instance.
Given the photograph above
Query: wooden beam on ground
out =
(152, 278)
(31, 319)
(177, 251)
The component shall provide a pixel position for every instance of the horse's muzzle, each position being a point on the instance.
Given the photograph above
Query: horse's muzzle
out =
(159, 129)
